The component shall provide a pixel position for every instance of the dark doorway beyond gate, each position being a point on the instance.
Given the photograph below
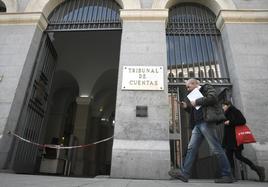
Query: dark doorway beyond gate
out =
(83, 97)
(78, 105)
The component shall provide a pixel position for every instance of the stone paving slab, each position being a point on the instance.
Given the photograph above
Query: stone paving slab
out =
(18, 180)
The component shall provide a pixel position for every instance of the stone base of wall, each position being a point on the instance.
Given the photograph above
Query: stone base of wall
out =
(258, 154)
(140, 159)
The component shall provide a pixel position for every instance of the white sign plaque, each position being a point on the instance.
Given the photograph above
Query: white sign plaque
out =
(143, 78)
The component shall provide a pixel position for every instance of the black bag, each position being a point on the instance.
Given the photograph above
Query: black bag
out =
(215, 114)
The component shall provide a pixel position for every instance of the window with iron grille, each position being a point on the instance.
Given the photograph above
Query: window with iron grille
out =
(80, 15)
(194, 45)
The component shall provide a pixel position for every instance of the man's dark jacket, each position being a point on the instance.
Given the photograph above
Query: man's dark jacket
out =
(211, 109)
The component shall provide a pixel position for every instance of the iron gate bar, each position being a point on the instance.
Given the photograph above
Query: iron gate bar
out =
(77, 15)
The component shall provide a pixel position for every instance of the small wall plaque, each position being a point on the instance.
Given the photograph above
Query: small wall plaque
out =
(141, 111)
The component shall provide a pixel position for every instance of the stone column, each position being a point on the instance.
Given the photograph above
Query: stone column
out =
(80, 132)
(245, 39)
(20, 38)
(141, 144)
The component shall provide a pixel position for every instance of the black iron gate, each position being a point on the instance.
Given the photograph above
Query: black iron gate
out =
(194, 50)
(31, 120)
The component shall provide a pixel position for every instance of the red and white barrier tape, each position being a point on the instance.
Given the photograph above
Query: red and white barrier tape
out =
(58, 146)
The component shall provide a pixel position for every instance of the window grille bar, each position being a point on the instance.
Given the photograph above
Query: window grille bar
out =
(182, 68)
(168, 56)
(201, 36)
(83, 10)
(88, 11)
(73, 15)
(175, 55)
(204, 22)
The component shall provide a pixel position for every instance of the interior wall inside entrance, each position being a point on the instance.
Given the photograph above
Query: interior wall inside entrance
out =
(82, 102)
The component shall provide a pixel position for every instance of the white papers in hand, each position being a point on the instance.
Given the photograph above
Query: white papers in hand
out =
(194, 95)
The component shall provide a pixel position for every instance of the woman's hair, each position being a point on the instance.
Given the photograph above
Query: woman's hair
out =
(228, 103)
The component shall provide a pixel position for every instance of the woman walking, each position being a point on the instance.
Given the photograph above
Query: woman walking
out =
(234, 118)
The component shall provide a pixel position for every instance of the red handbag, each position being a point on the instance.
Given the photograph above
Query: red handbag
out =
(243, 135)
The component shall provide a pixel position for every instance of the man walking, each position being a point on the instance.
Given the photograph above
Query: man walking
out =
(203, 122)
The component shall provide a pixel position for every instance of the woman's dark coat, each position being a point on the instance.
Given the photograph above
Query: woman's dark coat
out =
(236, 118)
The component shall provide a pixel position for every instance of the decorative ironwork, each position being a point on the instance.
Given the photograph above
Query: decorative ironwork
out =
(80, 15)
(191, 19)
(194, 45)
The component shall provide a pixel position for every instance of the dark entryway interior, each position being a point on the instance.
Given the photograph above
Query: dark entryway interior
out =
(82, 104)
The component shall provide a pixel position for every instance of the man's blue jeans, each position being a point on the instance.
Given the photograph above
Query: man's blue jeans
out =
(208, 132)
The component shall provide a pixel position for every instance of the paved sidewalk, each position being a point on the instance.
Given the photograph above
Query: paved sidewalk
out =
(17, 180)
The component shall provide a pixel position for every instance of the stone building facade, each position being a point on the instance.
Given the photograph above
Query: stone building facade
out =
(61, 82)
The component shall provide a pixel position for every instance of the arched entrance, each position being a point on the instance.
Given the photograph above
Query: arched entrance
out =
(195, 50)
(2, 7)
(78, 99)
